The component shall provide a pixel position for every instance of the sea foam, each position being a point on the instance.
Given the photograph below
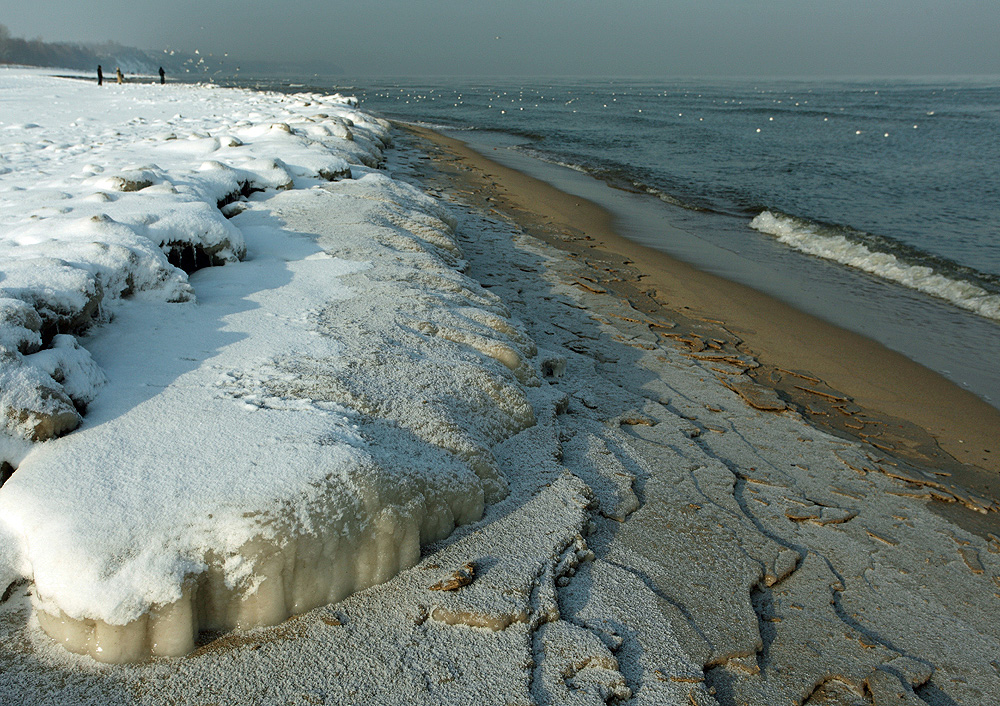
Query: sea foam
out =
(826, 242)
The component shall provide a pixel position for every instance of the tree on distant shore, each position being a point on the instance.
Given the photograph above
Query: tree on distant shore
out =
(183, 66)
(36, 52)
(4, 39)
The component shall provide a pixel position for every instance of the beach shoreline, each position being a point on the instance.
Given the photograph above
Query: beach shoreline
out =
(661, 529)
(899, 406)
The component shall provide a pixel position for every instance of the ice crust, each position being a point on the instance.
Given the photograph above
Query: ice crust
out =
(257, 439)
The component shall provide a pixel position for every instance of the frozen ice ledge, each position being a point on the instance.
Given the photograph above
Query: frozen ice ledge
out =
(290, 433)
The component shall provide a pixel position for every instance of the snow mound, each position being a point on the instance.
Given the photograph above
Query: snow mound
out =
(263, 437)
(118, 194)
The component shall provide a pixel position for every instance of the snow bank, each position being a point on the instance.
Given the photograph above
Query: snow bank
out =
(107, 193)
(254, 440)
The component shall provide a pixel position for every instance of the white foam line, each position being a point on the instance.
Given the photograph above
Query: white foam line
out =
(805, 237)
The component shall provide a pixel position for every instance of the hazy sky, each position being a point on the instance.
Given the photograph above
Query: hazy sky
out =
(548, 37)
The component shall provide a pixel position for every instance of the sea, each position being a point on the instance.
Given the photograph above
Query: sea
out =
(872, 204)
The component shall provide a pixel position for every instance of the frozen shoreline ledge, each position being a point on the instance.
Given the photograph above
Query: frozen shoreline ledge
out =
(289, 431)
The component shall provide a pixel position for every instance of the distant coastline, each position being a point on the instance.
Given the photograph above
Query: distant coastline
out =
(180, 65)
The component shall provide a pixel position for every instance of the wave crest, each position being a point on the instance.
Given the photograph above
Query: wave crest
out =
(834, 244)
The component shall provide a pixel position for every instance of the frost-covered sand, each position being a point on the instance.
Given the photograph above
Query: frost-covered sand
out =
(636, 519)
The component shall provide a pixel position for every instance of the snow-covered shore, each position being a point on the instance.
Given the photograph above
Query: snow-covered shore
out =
(220, 479)
(603, 518)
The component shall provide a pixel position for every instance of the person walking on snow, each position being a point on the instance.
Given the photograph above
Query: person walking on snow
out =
(162, 76)
(118, 73)
(100, 76)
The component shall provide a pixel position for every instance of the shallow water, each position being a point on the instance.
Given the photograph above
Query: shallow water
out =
(962, 346)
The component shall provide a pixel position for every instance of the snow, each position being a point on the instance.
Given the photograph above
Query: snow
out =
(255, 439)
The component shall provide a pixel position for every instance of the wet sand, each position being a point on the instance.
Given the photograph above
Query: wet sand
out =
(839, 380)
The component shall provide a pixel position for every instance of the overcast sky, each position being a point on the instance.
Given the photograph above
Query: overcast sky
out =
(548, 37)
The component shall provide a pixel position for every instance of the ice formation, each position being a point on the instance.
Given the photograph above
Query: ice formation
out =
(256, 439)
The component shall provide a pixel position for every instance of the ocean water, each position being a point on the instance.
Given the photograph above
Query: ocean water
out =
(874, 204)
(895, 177)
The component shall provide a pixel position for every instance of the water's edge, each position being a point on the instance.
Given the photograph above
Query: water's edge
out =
(959, 345)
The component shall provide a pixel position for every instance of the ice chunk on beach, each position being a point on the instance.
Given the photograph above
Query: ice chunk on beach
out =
(71, 366)
(33, 406)
(20, 326)
(217, 537)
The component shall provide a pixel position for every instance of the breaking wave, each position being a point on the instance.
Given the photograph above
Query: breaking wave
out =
(961, 286)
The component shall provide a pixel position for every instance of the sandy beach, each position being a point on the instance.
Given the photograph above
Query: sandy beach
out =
(901, 406)
(688, 493)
